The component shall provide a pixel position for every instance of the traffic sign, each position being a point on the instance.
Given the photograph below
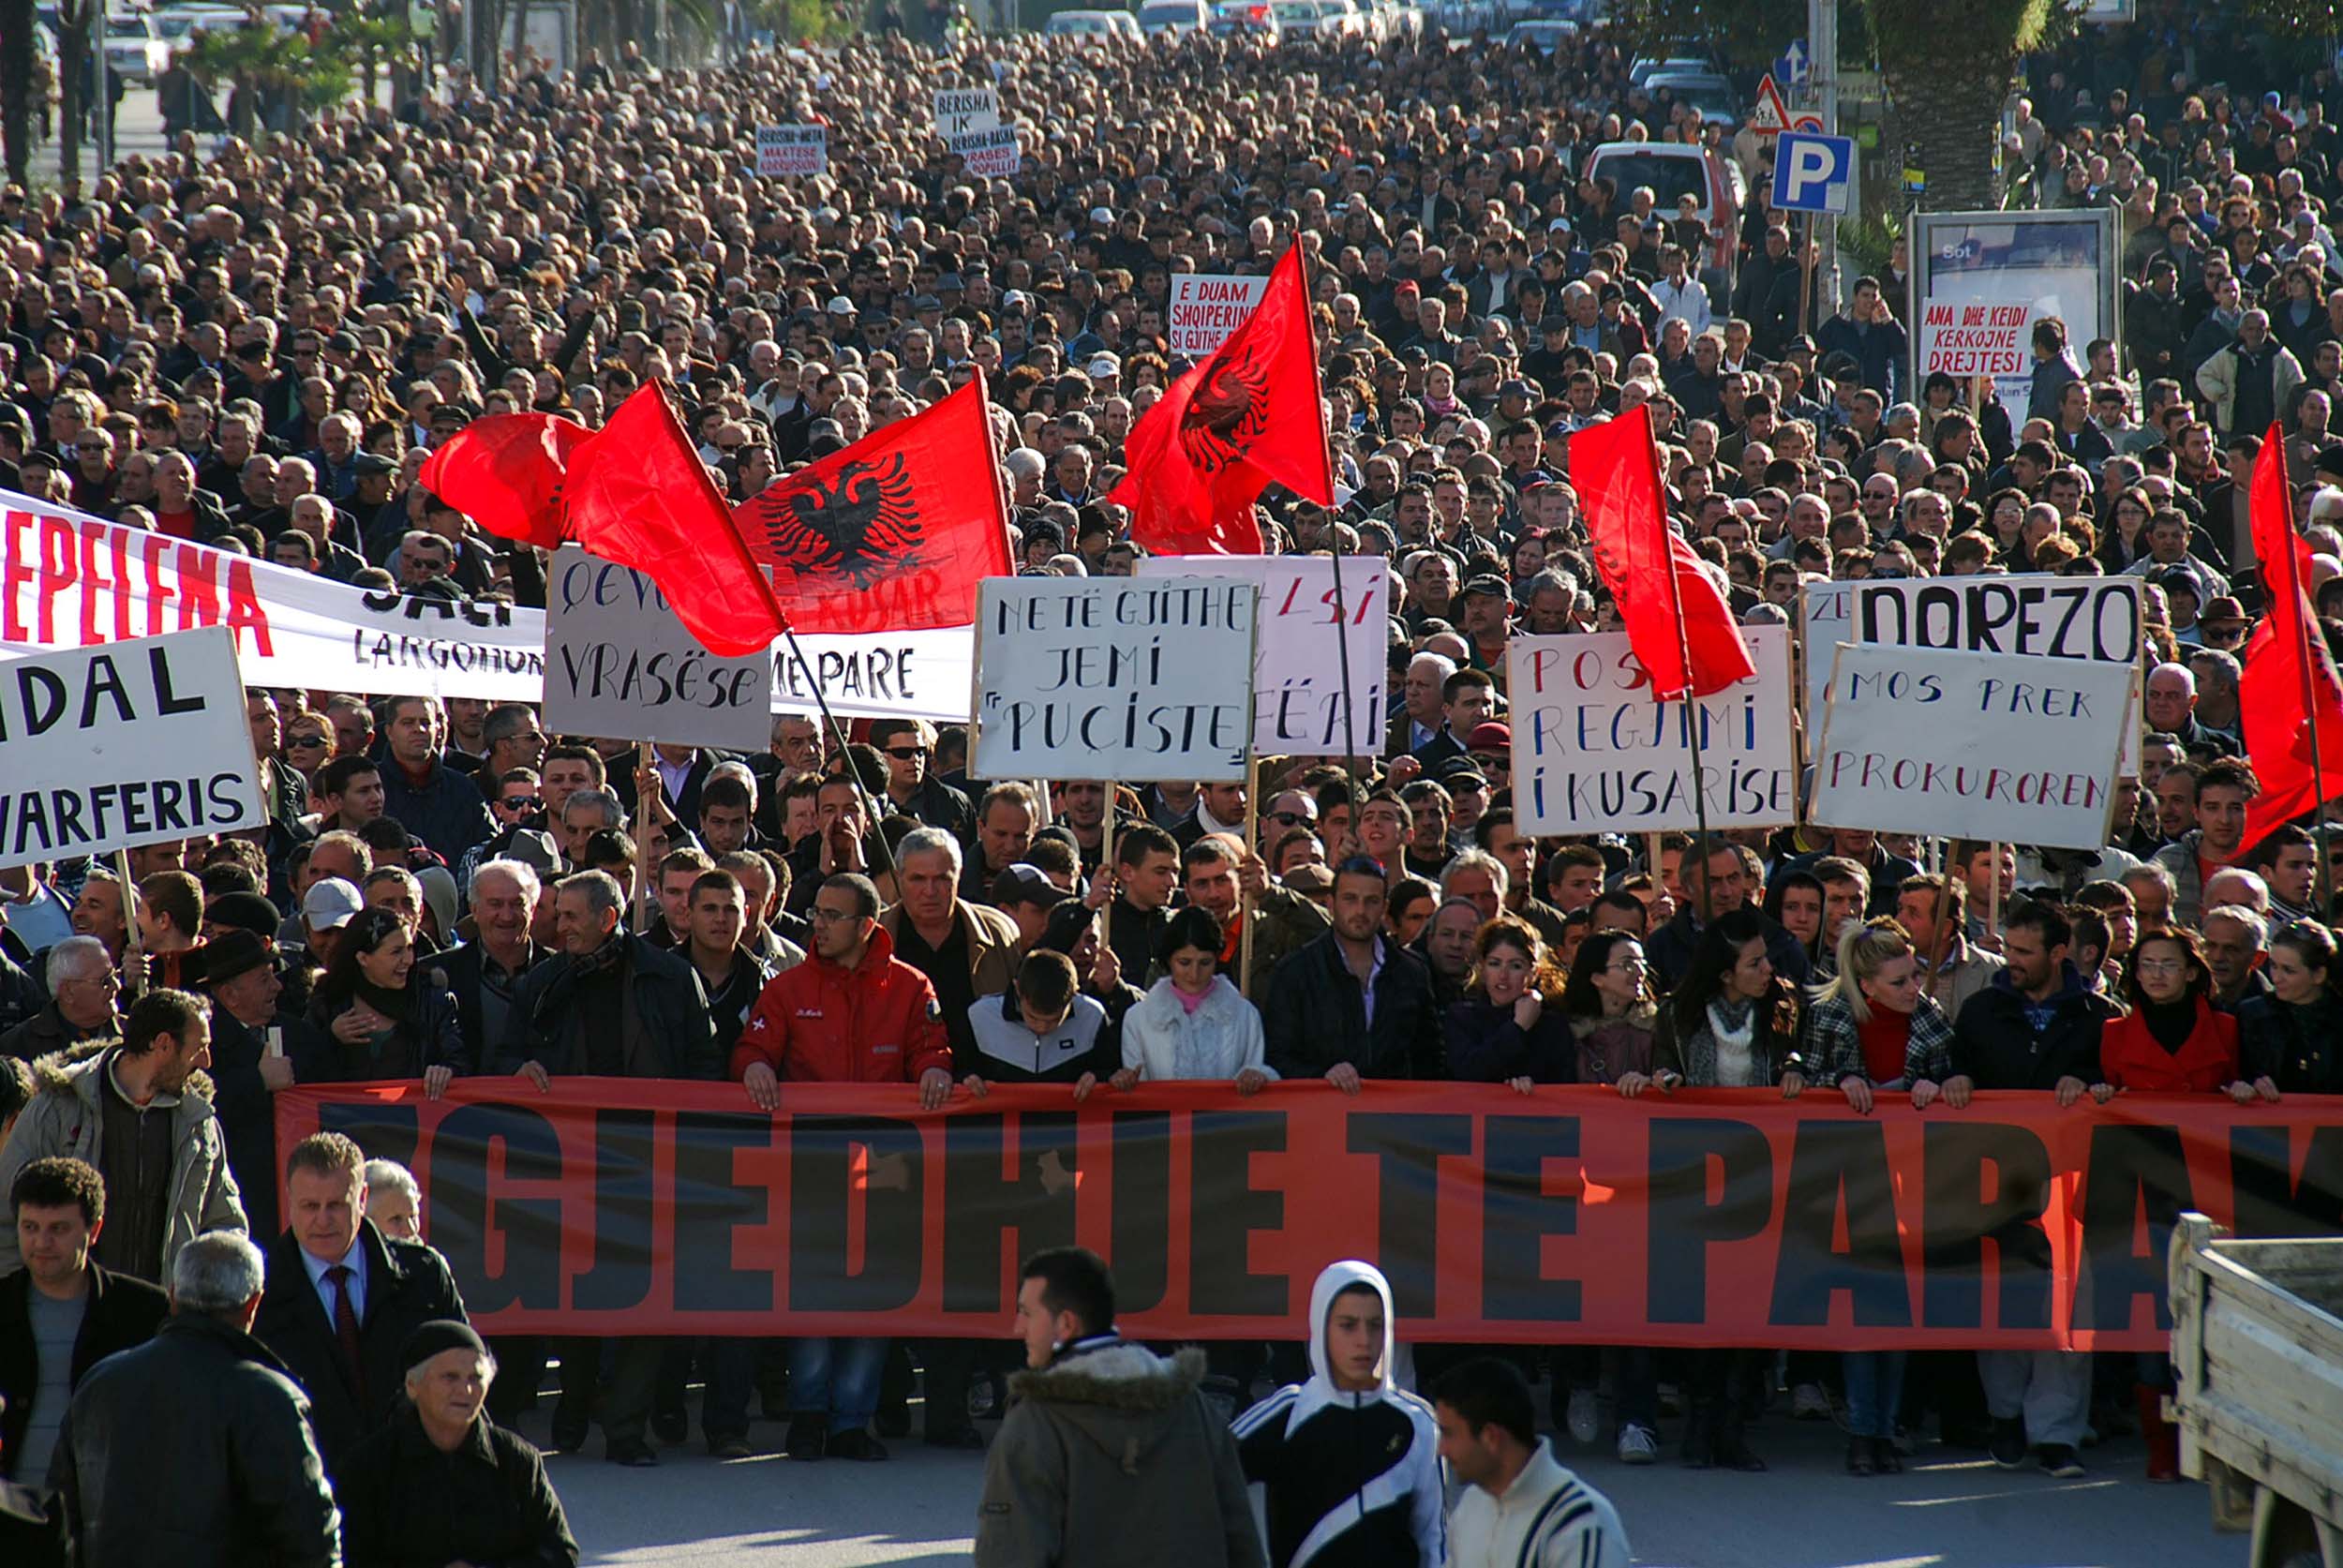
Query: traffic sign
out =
(1813, 173)
(1771, 116)
(1795, 66)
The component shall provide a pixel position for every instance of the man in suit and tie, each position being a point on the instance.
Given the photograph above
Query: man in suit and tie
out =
(342, 1297)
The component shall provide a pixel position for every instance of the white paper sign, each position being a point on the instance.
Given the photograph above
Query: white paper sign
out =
(1595, 752)
(132, 743)
(1207, 306)
(2038, 614)
(1965, 338)
(961, 109)
(992, 153)
(620, 662)
(1134, 679)
(1990, 746)
(792, 150)
(1298, 653)
(71, 580)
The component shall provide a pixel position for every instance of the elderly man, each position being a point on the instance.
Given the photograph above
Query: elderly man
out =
(2172, 708)
(483, 973)
(442, 1482)
(197, 1435)
(1421, 714)
(82, 990)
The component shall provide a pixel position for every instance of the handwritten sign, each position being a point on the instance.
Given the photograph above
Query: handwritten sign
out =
(122, 745)
(1114, 678)
(961, 109)
(2037, 614)
(1594, 751)
(792, 150)
(619, 664)
(1207, 306)
(1969, 338)
(1298, 652)
(994, 154)
(1993, 746)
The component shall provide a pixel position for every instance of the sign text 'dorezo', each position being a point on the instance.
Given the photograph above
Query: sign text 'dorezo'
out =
(128, 744)
(1114, 679)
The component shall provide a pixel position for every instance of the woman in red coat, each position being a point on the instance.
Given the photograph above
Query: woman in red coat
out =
(2171, 1043)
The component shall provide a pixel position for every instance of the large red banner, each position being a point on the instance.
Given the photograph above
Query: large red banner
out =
(1571, 1214)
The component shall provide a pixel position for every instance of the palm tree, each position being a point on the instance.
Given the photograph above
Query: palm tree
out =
(1948, 66)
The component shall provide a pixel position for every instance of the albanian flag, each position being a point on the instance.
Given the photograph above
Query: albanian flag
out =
(893, 533)
(1248, 417)
(2289, 691)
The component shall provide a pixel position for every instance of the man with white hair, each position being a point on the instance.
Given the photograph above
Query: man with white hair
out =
(83, 990)
(485, 972)
(197, 1434)
(2172, 708)
(1421, 711)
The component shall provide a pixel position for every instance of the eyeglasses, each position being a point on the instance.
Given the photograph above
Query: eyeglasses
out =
(1289, 819)
(829, 916)
(307, 743)
(108, 982)
(2163, 966)
(521, 803)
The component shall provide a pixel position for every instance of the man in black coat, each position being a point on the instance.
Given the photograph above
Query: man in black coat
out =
(1726, 888)
(254, 1046)
(196, 1436)
(342, 1297)
(1315, 1016)
(59, 1296)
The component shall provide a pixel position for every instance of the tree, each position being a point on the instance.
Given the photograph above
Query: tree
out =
(16, 87)
(74, 72)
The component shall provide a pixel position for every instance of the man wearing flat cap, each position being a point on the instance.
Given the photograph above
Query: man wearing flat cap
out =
(254, 1042)
(442, 1482)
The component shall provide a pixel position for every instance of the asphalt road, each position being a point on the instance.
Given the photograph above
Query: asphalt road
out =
(1948, 1510)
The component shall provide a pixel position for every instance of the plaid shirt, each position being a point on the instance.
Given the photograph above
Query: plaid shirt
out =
(1832, 1041)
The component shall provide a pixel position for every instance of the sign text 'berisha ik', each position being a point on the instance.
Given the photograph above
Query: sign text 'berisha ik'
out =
(1113, 678)
(126, 744)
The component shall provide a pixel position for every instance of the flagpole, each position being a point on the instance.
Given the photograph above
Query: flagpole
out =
(1342, 613)
(1684, 645)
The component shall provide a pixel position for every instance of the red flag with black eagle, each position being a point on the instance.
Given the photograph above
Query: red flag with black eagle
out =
(1679, 625)
(893, 533)
(1248, 417)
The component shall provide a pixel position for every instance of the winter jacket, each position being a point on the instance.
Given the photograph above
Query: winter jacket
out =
(430, 1036)
(1966, 970)
(877, 1023)
(2206, 1062)
(2183, 859)
(674, 1036)
(246, 1106)
(993, 943)
(1007, 1052)
(1547, 1518)
(407, 1286)
(117, 1313)
(2299, 1049)
(405, 1504)
(2223, 376)
(66, 1117)
(47, 1033)
(1219, 1040)
(1772, 1043)
(1314, 1017)
(446, 811)
(1486, 1046)
(1111, 1455)
(1832, 1048)
(1996, 1046)
(1355, 1476)
(194, 1450)
(1671, 948)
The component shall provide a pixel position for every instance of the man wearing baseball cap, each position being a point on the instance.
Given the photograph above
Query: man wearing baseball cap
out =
(1486, 609)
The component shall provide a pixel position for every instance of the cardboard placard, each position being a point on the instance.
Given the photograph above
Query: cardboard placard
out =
(1298, 654)
(1207, 306)
(619, 664)
(792, 150)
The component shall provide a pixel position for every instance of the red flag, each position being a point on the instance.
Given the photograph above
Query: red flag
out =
(504, 472)
(639, 496)
(894, 532)
(2289, 683)
(1671, 609)
(1248, 417)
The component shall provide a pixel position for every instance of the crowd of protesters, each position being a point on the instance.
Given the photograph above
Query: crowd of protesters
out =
(254, 346)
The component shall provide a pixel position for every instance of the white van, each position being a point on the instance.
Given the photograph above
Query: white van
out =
(1173, 16)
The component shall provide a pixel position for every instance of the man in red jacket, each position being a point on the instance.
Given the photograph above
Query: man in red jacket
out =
(852, 1013)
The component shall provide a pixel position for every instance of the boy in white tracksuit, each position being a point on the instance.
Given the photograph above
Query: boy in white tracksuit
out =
(1518, 1508)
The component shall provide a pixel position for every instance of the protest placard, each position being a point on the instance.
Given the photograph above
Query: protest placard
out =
(126, 744)
(792, 150)
(1207, 306)
(2040, 615)
(1593, 751)
(71, 580)
(1298, 652)
(992, 153)
(1965, 338)
(1114, 678)
(620, 662)
(1995, 746)
(961, 109)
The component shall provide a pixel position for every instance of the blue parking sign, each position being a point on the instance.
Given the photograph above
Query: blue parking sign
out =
(1812, 172)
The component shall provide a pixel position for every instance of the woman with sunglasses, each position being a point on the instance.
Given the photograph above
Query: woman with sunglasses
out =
(378, 1015)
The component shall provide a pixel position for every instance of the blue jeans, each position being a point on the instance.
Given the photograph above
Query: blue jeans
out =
(839, 1378)
(1874, 1389)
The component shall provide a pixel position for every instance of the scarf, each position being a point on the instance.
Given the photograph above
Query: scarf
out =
(2170, 1023)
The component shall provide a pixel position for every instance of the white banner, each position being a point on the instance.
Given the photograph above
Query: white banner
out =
(1595, 752)
(1298, 651)
(132, 743)
(1140, 680)
(792, 150)
(2040, 615)
(618, 663)
(1207, 306)
(71, 580)
(1992, 746)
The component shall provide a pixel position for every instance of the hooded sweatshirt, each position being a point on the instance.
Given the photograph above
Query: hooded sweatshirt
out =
(1353, 1479)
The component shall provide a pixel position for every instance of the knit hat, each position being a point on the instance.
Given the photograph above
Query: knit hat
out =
(440, 1333)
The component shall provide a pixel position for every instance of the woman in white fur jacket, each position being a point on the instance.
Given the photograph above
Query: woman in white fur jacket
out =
(1194, 1024)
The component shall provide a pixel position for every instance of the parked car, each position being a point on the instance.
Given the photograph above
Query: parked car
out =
(1173, 16)
(1243, 17)
(1641, 68)
(1705, 90)
(1544, 36)
(1294, 19)
(1340, 19)
(1673, 169)
(1092, 24)
(134, 52)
